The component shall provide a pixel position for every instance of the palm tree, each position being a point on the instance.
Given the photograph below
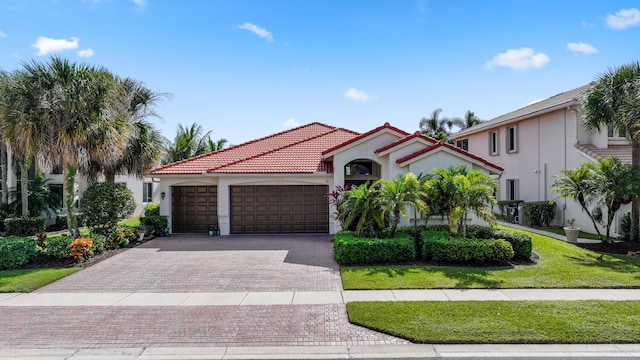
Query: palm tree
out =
(5, 79)
(21, 125)
(579, 185)
(40, 195)
(470, 119)
(77, 124)
(362, 208)
(397, 194)
(455, 191)
(145, 144)
(216, 145)
(614, 100)
(434, 125)
(189, 142)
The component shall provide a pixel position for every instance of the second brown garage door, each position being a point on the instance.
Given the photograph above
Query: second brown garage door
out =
(279, 209)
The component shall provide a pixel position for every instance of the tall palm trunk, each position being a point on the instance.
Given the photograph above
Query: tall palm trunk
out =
(4, 199)
(635, 203)
(24, 187)
(69, 174)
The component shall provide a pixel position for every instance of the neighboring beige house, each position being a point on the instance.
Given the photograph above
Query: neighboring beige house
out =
(278, 184)
(533, 144)
(144, 189)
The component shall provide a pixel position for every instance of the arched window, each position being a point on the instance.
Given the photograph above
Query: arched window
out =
(360, 171)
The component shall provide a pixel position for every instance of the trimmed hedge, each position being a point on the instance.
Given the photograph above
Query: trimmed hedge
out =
(155, 224)
(443, 247)
(99, 243)
(352, 250)
(152, 210)
(521, 243)
(24, 226)
(59, 246)
(539, 213)
(16, 251)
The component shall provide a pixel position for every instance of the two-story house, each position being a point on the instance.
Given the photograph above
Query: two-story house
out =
(533, 144)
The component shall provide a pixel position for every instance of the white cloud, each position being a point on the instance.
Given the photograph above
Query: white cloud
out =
(623, 19)
(291, 123)
(582, 48)
(2, 34)
(357, 95)
(47, 45)
(140, 3)
(263, 33)
(85, 53)
(519, 59)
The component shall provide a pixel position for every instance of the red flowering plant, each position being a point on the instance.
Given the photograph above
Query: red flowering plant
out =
(337, 198)
(81, 248)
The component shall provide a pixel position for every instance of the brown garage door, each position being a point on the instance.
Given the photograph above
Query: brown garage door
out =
(279, 209)
(194, 208)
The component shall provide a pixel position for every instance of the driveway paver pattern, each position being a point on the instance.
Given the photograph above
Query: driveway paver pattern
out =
(201, 263)
(265, 266)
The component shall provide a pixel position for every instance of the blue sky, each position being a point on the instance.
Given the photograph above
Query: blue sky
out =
(246, 69)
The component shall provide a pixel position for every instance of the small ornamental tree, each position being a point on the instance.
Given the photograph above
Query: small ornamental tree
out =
(104, 204)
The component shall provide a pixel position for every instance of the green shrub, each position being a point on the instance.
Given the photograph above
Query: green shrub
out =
(24, 226)
(59, 246)
(480, 232)
(155, 224)
(152, 210)
(443, 247)
(352, 250)
(104, 204)
(61, 222)
(16, 252)
(539, 213)
(99, 242)
(521, 243)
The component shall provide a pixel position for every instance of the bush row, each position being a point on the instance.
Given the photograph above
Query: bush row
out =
(436, 243)
(442, 247)
(351, 250)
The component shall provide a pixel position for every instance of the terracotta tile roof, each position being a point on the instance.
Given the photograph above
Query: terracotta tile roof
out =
(451, 147)
(417, 134)
(622, 152)
(567, 98)
(293, 151)
(368, 133)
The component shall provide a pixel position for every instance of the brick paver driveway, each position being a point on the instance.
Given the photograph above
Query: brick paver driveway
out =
(201, 263)
(188, 264)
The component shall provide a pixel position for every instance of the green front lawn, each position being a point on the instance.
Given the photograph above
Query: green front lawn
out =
(561, 265)
(484, 322)
(31, 279)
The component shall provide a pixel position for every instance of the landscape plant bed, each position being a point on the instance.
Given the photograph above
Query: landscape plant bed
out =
(502, 322)
(561, 265)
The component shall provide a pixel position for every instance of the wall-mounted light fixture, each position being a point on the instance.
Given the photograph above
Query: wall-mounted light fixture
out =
(162, 195)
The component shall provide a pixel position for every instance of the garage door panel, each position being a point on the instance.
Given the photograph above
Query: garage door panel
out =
(279, 208)
(194, 208)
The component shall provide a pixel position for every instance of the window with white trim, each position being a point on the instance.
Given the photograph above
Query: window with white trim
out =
(512, 139)
(615, 133)
(147, 192)
(493, 143)
(512, 189)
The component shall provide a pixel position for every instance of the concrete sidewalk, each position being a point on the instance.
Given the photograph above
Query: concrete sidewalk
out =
(409, 351)
(307, 297)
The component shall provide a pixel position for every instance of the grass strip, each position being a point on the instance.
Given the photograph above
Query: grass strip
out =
(560, 231)
(503, 322)
(561, 265)
(31, 279)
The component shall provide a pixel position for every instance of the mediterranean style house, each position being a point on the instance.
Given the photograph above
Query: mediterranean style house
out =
(278, 184)
(533, 144)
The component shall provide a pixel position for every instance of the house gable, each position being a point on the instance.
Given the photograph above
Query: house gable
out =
(434, 152)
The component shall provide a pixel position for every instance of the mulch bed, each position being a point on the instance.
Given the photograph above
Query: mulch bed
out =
(44, 261)
(620, 248)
